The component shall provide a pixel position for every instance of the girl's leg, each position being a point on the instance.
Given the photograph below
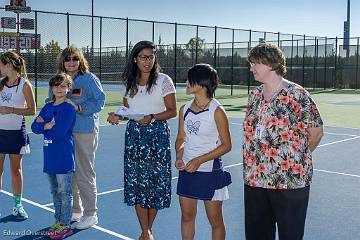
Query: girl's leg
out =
(16, 176)
(215, 216)
(56, 199)
(188, 215)
(143, 217)
(64, 193)
(17, 185)
(2, 159)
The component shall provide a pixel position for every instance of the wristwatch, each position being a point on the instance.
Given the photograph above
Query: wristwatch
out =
(152, 118)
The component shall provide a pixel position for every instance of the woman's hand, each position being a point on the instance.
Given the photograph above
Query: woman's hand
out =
(179, 164)
(6, 110)
(193, 165)
(145, 121)
(72, 103)
(113, 118)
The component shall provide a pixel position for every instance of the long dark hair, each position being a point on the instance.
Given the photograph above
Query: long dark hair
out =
(17, 62)
(131, 72)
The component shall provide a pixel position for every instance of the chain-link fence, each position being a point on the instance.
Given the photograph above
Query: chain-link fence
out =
(314, 62)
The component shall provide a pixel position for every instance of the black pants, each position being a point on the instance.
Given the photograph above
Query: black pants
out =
(264, 208)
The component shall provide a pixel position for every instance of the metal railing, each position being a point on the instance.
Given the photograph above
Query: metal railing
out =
(312, 61)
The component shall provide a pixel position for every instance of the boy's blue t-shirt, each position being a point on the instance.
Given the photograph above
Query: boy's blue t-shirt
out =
(58, 145)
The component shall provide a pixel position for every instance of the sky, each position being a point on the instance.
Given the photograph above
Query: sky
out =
(310, 17)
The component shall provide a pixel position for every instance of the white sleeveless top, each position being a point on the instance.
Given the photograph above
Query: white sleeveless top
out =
(12, 97)
(201, 133)
(153, 102)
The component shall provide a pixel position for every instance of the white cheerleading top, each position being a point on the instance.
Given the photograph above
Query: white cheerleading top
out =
(12, 97)
(153, 102)
(201, 133)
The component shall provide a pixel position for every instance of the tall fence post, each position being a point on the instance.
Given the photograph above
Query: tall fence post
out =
(292, 56)
(303, 63)
(197, 44)
(92, 32)
(315, 63)
(36, 57)
(357, 64)
(175, 56)
(248, 72)
(68, 28)
(325, 63)
(100, 58)
(215, 48)
(335, 62)
(153, 32)
(278, 39)
(127, 39)
(232, 61)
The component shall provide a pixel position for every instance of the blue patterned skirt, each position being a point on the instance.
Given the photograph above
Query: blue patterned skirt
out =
(147, 165)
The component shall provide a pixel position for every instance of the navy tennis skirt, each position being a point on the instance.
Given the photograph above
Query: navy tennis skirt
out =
(202, 185)
(11, 141)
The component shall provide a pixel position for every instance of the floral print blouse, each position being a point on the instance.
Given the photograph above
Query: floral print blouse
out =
(279, 156)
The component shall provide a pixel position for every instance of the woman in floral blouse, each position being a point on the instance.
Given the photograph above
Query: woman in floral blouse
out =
(282, 127)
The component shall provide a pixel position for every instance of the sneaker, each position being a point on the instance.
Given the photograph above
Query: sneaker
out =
(85, 222)
(75, 217)
(53, 228)
(59, 231)
(19, 213)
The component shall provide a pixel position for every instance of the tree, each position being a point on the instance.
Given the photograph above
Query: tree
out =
(194, 44)
(51, 47)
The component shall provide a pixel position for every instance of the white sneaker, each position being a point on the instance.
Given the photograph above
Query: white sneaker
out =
(75, 217)
(85, 222)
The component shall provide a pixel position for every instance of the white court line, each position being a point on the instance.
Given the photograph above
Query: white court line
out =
(118, 235)
(341, 134)
(338, 173)
(344, 140)
(238, 164)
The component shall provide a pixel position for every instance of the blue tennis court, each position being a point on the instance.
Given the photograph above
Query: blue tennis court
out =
(334, 207)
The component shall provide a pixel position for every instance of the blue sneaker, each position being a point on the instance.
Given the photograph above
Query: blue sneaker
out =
(19, 213)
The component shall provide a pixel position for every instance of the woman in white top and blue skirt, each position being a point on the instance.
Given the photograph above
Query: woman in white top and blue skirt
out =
(147, 153)
(203, 137)
(17, 101)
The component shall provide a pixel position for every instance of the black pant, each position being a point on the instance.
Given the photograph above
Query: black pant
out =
(264, 208)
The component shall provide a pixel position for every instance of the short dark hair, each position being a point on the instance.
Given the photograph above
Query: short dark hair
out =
(204, 75)
(270, 55)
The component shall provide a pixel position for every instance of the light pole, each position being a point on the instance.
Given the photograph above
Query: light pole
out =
(92, 28)
(346, 41)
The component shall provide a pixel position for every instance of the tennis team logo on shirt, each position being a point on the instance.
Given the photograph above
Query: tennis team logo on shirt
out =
(193, 127)
(6, 97)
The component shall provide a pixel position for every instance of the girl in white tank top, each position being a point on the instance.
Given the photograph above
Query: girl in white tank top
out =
(203, 137)
(16, 101)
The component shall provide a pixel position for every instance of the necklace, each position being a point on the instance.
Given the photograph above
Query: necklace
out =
(202, 107)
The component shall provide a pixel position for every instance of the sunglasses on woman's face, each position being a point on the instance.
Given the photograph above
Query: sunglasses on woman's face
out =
(74, 59)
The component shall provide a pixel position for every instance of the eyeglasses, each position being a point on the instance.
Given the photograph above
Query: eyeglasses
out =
(144, 58)
(68, 59)
(252, 64)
